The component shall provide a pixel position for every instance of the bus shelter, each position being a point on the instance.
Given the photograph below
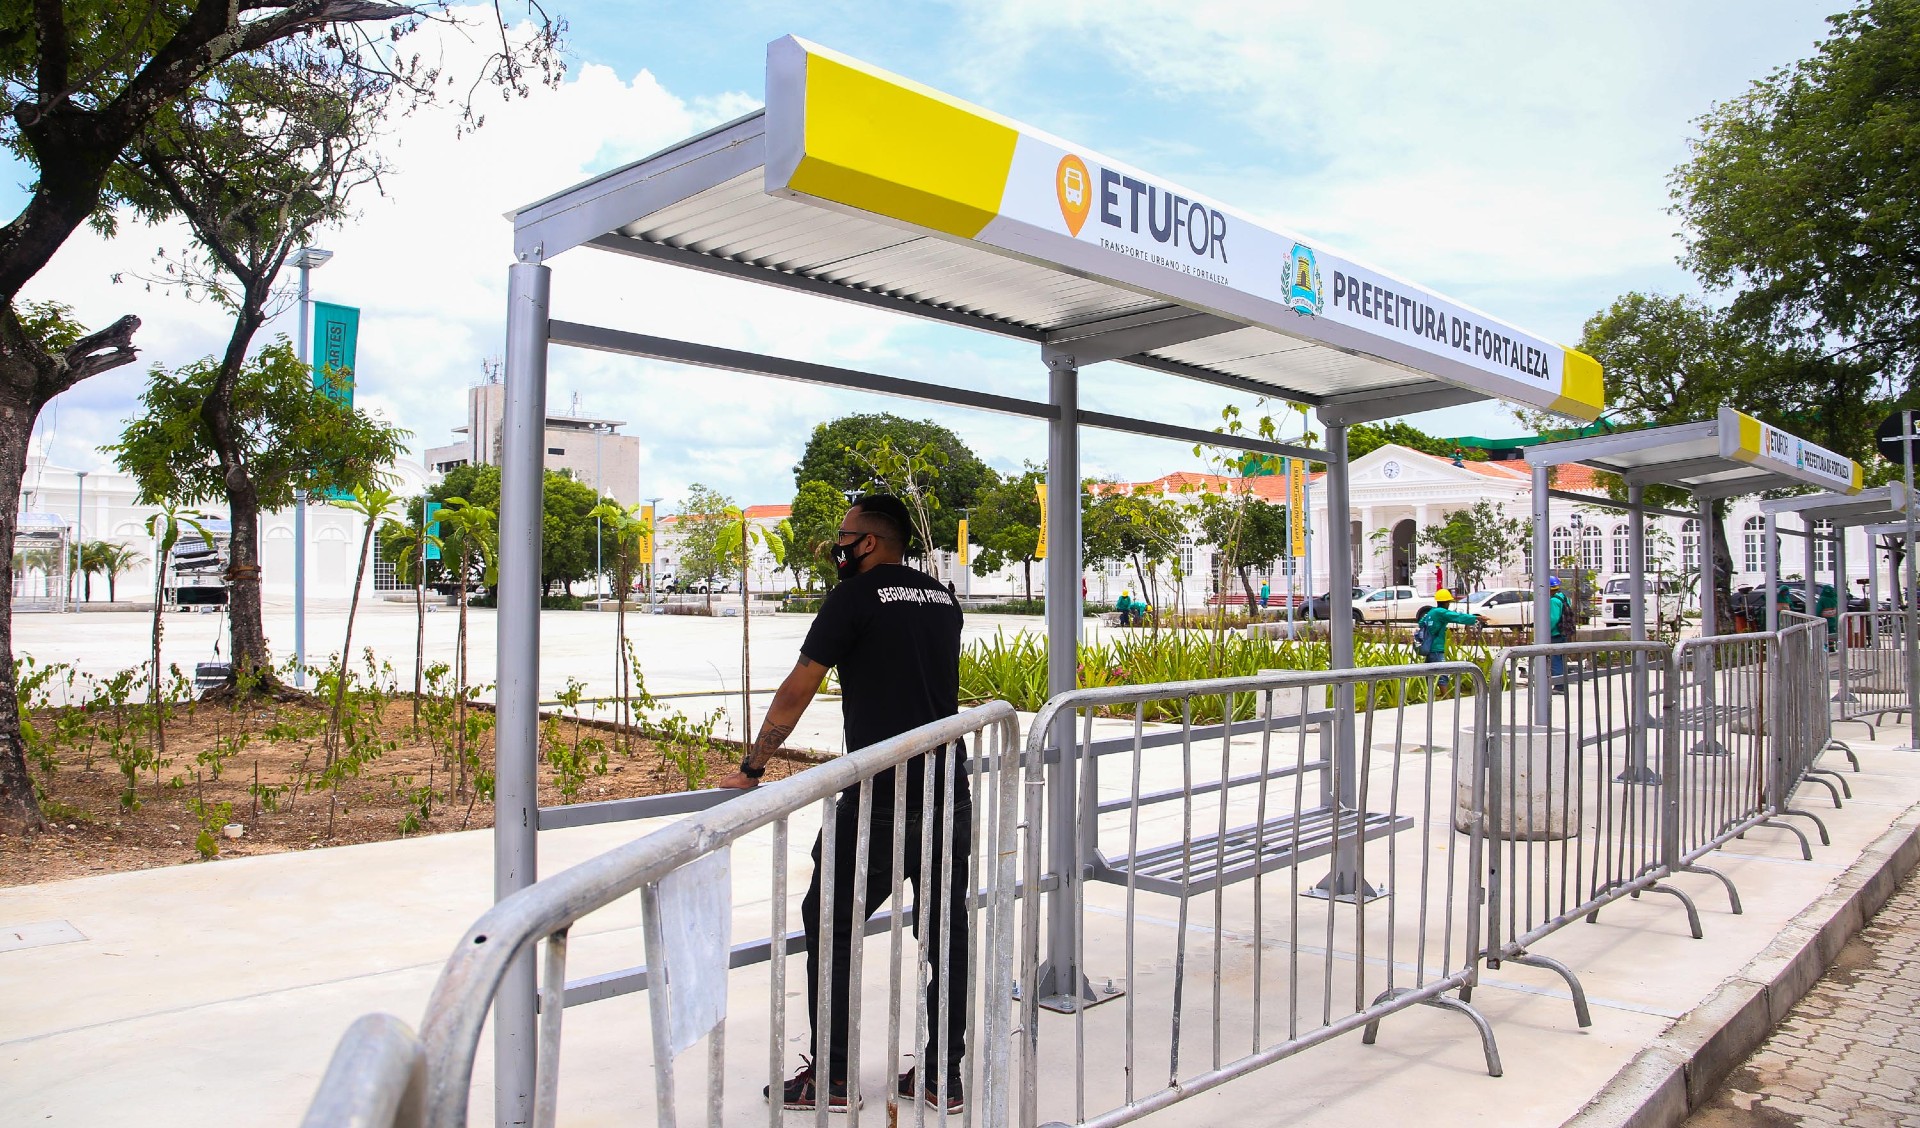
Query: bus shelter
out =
(855, 185)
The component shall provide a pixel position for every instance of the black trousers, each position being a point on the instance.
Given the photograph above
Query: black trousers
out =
(949, 944)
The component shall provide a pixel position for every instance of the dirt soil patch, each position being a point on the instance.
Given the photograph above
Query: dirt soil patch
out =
(280, 805)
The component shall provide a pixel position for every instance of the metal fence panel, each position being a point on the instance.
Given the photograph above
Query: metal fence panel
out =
(1219, 825)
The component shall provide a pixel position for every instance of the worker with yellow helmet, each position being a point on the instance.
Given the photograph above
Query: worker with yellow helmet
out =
(1430, 629)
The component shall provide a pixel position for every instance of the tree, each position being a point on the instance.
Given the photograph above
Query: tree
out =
(84, 81)
(1472, 542)
(817, 509)
(625, 536)
(373, 503)
(910, 475)
(406, 542)
(1139, 527)
(1006, 522)
(829, 457)
(288, 436)
(736, 542)
(1365, 438)
(1251, 533)
(703, 521)
(165, 527)
(566, 517)
(113, 559)
(1798, 194)
(470, 534)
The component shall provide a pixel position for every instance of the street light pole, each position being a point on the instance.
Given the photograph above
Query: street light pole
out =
(80, 534)
(306, 259)
(653, 536)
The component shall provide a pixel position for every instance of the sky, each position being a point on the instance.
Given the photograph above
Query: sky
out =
(1513, 157)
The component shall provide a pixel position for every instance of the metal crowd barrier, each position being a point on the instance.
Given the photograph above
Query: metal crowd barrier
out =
(1720, 694)
(1873, 677)
(683, 877)
(1805, 715)
(1218, 875)
(1579, 784)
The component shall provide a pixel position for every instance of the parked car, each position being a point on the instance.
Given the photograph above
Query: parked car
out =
(1321, 606)
(1501, 607)
(1616, 600)
(1391, 604)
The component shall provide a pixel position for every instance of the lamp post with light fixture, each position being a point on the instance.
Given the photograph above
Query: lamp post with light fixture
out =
(306, 259)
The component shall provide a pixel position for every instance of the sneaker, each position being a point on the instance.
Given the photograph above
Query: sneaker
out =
(800, 1094)
(956, 1102)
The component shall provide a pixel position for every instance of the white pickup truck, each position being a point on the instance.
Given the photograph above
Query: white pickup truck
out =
(1666, 596)
(1390, 604)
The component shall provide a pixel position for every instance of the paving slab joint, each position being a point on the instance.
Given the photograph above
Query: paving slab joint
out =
(1684, 1067)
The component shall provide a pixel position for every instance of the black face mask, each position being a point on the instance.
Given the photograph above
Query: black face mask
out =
(845, 562)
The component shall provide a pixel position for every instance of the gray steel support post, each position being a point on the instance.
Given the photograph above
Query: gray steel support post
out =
(1709, 571)
(1343, 880)
(1810, 589)
(1638, 771)
(1907, 591)
(299, 588)
(517, 694)
(1840, 607)
(1542, 578)
(1062, 981)
(1770, 569)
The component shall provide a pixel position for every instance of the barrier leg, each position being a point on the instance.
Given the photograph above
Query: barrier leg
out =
(1443, 1002)
(1733, 894)
(1581, 1014)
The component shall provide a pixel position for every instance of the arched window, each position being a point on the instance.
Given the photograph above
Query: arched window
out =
(1690, 546)
(1592, 548)
(1622, 547)
(1561, 544)
(1753, 542)
(1823, 549)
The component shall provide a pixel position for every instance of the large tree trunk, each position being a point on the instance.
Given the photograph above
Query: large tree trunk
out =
(247, 627)
(29, 377)
(19, 811)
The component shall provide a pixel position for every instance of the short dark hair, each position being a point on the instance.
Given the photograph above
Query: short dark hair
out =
(891, 512)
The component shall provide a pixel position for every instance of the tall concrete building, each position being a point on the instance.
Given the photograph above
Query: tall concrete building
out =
(590, 449)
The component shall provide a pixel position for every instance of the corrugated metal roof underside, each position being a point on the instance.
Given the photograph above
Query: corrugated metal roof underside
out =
(738, 221)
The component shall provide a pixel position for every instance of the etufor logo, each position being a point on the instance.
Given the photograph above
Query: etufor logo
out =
(1303, 291)
(1075, 189)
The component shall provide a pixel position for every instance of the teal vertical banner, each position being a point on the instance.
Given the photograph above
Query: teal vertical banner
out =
(433, 529)
(336, 343)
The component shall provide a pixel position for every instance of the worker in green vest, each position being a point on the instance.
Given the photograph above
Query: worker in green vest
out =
(1827, 606)
(1430, 629)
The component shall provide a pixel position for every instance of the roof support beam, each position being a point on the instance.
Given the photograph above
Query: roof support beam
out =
(1621, 506)
(1671, 473)
(1121, 337)
(650, 347)
(1365, 407)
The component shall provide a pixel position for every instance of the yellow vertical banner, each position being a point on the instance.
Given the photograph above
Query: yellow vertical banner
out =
(1297, 506)
(1040, 551)
(961, 556)
(646, 541)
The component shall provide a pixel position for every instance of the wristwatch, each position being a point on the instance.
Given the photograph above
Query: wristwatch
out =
(747, 769)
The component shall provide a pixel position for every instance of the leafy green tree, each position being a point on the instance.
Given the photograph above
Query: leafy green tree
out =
(113, 559)
(405, 542)
(1365, 438)
(291, 437)
(736, 542)
(624, 535)
(85, 81)
(830, 457)
(165, 527)
(1473, 542)
(566, 518)
(1139, 527)
(1251, 533)
(1006, 522)
(470, 535)
(817, 509)
(703, 522)
(372, 503)
(1799, 194)
(912, 476)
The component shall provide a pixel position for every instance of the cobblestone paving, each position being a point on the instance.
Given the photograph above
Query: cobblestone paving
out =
(1848, 1053)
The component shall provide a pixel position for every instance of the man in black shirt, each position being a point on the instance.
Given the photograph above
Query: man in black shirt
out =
(894, 634)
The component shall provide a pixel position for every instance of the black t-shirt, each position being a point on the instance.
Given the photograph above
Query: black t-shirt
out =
(893, 632)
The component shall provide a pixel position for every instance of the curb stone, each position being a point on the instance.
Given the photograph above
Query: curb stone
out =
(1683, 1068)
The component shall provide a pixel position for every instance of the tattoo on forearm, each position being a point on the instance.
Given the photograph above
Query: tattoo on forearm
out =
(771, 737)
